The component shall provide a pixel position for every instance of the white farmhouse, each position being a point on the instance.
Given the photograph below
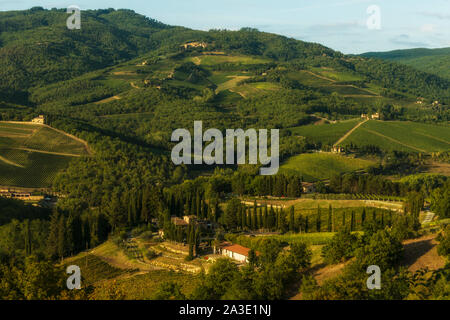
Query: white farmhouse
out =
(235, 252)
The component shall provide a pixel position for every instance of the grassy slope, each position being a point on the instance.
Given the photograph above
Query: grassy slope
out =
(327, 134)
(33, 169)
(436, 61)
(120, 276)
(317, 166)
(404, 136)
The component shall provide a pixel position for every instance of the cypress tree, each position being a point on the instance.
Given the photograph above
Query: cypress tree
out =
(343, 220)
(352, 222)
(86, 233)
(319, 220)
(52, 240)
(61, 242)
(363, 216)
(330, 219)
(243, 220)
(196, 241)
(291, 219)
(216, 209)
(265, 217)
(197, 205)
(254, 223)
(260, 219)
(203, 209)
(144, 207)
(28, 240)
(282, 226)
(130, 210)
(271, 218)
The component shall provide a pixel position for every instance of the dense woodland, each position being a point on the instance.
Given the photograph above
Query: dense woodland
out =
(130, 181)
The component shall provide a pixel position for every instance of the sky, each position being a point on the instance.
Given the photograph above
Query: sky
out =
(349, 26)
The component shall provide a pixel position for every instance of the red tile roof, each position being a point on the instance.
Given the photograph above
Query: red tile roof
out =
(236, 248)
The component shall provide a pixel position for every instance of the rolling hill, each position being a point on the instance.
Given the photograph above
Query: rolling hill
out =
(133, 80)
(31, 155)
(43, 51)
(403, 136)
(435, 61)
(320, 166)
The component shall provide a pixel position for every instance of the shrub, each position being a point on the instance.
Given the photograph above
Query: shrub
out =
(147, 235)
(151, 254)
(444, 245)
(382, 249)
(341, 247)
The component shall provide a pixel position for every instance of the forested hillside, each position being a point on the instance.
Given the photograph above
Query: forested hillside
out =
(364, 146)
(36, 48)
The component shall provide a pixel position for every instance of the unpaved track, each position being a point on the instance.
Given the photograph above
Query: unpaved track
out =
(49, 152)
(349, 133)
(86, 146)
(319, 76)
(10, 162)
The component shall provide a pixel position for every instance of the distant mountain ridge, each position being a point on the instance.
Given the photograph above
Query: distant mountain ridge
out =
(435, 61)
(37, 49)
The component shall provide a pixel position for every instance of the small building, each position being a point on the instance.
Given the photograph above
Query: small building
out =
(179, 222)
(435, 104)
(190, 219)
(420, 100)
(195, 44)
(364, 116)
(338, 149)
(40, 119)
(308, 187)
(375, 116)
(21, 195)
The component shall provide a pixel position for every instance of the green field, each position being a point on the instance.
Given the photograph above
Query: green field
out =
(308, 79)
(144, 286)
(134, 286)
(347, 90)
(313, 238)
(327, 134)
(94, 269)
(211, 60)
(318, 166)
(31, 155)
(403, 136)
(38, 169)
(336, 75)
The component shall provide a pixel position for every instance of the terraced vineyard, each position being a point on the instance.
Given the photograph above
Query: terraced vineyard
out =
(95, 269)
(31, 155)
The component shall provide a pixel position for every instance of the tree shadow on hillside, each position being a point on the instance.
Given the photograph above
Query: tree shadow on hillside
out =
(415, 250)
